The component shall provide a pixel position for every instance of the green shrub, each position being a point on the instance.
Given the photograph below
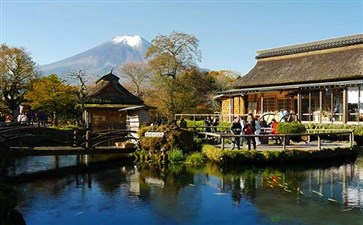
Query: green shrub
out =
(173, 138)
(175, 155)
(223, 126)
(239, 157)
(291, 128)
(331, 127)
(195, 158)
(213, 153)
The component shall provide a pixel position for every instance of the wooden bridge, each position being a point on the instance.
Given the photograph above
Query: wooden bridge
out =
(17, 141)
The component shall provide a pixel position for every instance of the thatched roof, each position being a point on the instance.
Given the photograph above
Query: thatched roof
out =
(109, 91)
(331, 60)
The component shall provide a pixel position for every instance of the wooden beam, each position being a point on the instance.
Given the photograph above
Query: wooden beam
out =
(345, 105)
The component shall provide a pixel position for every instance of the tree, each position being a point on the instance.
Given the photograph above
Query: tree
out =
(185, 93)
(82, 79)
(169, 55)
(224, 78)
(17, 70)
(137, 75)
(52, 96)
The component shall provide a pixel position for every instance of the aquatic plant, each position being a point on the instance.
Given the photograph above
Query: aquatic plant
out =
(175, 155)
(195, 158)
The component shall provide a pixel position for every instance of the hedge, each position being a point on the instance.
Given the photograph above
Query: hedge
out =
(274, 156)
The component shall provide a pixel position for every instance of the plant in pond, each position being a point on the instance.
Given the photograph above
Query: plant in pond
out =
(195, 158)
(175, 155)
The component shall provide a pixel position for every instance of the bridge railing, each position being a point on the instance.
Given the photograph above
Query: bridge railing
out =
(38, 136)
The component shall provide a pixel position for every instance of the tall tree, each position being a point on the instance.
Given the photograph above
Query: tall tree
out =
(137, 75)
(169, 55)
(188, 91)
(82, 78)
(17, 70)
(52, 96)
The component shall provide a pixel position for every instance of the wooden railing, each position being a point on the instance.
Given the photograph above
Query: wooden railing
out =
(223, 136)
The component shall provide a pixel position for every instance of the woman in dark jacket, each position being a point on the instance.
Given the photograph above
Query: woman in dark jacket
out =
(236, 129)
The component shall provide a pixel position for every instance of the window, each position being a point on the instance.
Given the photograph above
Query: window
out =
(269, 104)
(284, 104)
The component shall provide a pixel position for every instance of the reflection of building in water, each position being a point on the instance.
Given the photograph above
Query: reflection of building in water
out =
(134, 182)
(343, 184)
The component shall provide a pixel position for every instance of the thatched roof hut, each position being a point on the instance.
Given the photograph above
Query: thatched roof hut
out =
(322, 81)
(329, 60)
(109, 105)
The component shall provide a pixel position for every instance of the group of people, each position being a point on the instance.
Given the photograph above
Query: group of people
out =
(30, 118)
(211, 122)
(249, 125)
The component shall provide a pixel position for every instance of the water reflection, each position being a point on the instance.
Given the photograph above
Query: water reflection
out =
(199, 195)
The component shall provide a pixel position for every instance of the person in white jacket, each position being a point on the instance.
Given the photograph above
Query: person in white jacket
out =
(258, 129)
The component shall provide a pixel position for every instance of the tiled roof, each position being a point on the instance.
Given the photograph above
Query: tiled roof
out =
(311, 46)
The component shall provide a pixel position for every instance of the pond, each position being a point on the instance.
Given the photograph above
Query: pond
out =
(129, 194)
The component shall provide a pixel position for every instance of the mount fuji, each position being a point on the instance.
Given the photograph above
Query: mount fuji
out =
(103, 58)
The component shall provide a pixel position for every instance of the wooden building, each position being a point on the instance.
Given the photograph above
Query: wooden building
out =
(110, 104)
(321, 81)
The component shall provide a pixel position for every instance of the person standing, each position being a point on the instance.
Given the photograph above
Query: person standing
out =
(248, 129)
(236, 129)
(274, 124)
(257, 129)
(208, 124)
(183, 123)
(215, 123)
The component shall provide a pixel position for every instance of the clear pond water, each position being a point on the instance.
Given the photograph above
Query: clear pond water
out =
(130, 194)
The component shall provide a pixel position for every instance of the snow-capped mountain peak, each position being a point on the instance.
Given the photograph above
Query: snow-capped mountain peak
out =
(131, 40)
(102, 58)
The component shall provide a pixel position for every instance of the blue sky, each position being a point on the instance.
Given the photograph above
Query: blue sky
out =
(230, 32)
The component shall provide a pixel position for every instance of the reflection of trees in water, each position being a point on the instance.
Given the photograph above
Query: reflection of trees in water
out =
(178, 199)
(288, 192)
(110, 180)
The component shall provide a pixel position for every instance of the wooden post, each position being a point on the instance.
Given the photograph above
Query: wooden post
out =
(284, 142)
(319, 142)
(351, 138)
(56, 161)
(222, 142)
(88, 139)
(345, 105)
(299, 104)
(320, 105)
(309, 137)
